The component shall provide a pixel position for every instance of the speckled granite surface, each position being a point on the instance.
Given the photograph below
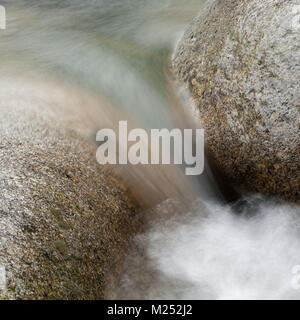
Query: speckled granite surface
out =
(65, 221)
(241, 61)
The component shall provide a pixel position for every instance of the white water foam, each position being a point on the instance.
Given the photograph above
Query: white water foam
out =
(213, 252)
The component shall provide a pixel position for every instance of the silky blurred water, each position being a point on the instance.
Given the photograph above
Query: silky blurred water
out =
(120, 50)
(213, 252)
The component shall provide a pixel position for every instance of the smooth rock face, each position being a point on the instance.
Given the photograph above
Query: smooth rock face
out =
(65, 221)
(241, 61)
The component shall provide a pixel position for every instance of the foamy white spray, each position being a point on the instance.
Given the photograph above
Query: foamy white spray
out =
(213, 252)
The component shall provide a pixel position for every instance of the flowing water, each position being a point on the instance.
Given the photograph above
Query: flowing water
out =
(120, 50)
(211, 252)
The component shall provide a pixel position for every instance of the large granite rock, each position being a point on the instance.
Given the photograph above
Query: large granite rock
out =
(241, 61)
(65, 221)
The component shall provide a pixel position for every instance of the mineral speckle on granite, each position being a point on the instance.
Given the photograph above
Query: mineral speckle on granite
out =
(65, 221)
(241, 62)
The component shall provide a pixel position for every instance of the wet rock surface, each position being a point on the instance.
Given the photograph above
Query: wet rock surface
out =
(65, 221)
(241, 61)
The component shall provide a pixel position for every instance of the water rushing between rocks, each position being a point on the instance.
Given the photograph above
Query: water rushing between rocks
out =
(115, 55)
